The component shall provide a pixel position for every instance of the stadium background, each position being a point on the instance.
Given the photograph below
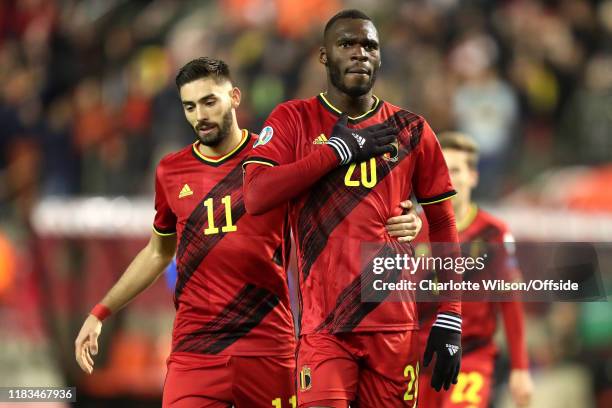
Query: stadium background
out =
(88, 106)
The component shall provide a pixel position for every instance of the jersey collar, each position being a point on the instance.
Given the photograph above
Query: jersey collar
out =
(217, 161)
(466, 221)
(353, 119)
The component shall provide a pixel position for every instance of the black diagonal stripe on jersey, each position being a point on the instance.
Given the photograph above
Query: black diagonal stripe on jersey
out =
(215, 325)
(195, 245)
(248, 308)
(320, 215)
(352, 305)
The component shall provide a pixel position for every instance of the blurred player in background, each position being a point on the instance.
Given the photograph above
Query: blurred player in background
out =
(342, 159)
(233, 338)
(477, 227)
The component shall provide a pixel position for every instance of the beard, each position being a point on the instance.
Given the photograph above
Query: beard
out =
(213, 138)
(336, 78)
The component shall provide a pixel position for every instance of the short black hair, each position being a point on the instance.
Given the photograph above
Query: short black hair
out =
(353, 14)
(202, 67)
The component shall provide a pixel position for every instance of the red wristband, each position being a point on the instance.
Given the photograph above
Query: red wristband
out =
(100, 311)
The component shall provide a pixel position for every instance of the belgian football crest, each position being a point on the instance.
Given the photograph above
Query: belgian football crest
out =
(305, 379)
(394, 154)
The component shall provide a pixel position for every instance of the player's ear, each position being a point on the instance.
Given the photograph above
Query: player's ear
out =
(236, 96)
(323, 55)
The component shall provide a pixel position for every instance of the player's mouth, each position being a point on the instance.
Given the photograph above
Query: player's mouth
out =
(361, 71)
(204, 130)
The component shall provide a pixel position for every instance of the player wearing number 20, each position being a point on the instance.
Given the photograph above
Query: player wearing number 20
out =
(342, 159)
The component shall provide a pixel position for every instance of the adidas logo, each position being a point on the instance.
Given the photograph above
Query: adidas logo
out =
(185, 191)
(360, 140)
(452, 349)
(321, 139)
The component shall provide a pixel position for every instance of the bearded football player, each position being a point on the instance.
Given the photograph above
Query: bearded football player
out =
(341, 160)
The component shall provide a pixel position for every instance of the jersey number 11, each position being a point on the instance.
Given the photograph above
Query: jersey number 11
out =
(229, 226)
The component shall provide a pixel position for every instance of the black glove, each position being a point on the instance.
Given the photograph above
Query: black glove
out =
(357, 145)
(445, 340)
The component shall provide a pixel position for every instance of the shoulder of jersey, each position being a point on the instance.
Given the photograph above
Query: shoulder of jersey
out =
(296, 104)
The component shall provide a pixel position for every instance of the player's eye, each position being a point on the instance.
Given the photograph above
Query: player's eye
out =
(345, 44)
(371, 47)
(210, 102)
(189, 108)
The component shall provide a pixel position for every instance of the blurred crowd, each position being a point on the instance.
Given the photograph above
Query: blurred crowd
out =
(88, 103)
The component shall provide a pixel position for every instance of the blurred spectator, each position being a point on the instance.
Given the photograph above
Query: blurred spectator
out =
(584, 132)
(485, 107)
(88, 106)
(92, 88)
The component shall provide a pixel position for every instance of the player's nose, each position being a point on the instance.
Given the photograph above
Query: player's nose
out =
(201, 114)
(359, 54)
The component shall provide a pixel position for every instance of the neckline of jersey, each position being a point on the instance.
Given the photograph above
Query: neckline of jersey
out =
(464, 223)
(215, 161)
(354, 119)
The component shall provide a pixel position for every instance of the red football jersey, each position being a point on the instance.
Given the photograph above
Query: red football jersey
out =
(349, 207)
(231, 292)
(479, 318)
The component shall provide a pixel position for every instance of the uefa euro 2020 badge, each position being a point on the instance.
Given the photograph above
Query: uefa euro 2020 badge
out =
(265, 136)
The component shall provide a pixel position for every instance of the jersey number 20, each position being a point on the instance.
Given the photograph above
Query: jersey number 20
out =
(367, 180)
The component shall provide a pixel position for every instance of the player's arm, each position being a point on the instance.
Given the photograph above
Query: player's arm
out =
(266, 186)
(513, 316)
(443, 234)
(144, 269)
(445, 335)
(433, 190)
(521, 385)
(271, 178)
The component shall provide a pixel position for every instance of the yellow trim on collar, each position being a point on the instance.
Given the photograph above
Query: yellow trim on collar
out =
(328, 103)
(468, 219)
(243, 141)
